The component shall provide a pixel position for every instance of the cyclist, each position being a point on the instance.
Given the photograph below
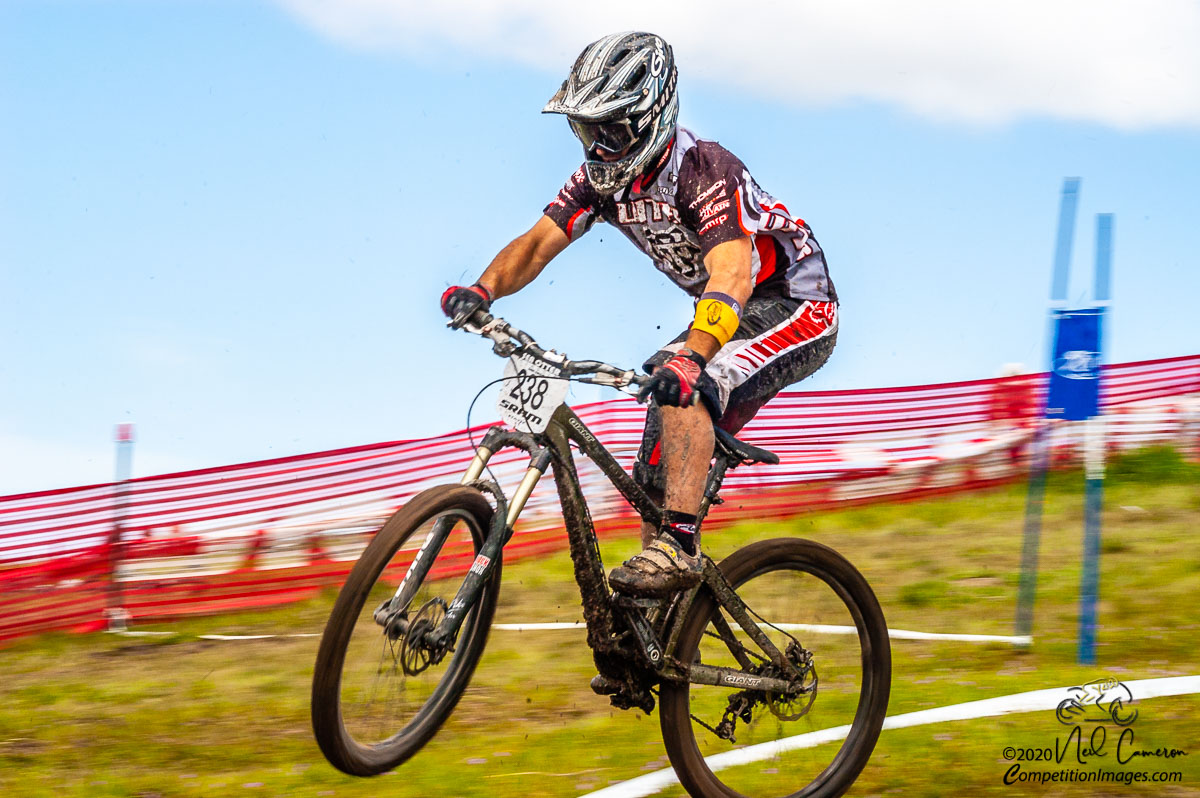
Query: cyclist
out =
(766, 310)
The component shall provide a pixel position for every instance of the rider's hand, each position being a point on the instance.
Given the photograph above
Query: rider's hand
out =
(674, 382)
(459, 302)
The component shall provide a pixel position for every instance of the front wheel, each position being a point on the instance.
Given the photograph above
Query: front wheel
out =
(378, 693)
(813, 604)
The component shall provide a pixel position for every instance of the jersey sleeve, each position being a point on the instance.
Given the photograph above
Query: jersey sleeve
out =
(713, 185)
(574, 209)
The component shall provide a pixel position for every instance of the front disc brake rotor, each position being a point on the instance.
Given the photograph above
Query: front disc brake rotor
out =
(415, 653)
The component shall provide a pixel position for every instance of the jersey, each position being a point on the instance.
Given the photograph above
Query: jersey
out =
(699, 195)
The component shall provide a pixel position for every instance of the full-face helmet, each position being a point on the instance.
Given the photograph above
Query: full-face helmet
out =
(621, 102)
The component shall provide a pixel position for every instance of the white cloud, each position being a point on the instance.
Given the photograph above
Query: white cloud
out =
(1126, 64)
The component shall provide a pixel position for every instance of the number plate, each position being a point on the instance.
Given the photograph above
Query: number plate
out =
(528, 395)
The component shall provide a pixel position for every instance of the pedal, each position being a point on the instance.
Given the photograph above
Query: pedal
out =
(641, 700)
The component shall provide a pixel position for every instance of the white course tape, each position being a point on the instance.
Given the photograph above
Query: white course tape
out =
(251, 637)
(905, 634)
(1034, 701)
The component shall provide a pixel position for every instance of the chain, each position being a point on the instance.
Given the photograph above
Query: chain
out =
(705, 725)
(739, 703)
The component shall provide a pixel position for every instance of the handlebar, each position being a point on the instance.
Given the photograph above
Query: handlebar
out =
(507, 341)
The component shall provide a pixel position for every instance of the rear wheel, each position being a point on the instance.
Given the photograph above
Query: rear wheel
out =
(815, 606)
(379, 694)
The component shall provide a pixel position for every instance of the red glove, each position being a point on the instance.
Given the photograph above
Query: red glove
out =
(674, 382)
(459, 302)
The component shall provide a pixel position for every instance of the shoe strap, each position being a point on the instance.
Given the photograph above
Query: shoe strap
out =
(662, 555)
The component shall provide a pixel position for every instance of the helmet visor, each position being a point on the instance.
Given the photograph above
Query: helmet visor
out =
(613, 138)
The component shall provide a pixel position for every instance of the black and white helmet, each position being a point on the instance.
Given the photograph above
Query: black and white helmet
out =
(620, 100)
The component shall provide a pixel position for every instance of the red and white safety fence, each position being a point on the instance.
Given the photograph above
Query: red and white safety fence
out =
(274, 531)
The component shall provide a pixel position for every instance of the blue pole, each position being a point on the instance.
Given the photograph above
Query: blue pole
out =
(1090, 581)
(1027, 591)
(1064, 240)
(1034, 500)
(1089, 587)
(1104, 225)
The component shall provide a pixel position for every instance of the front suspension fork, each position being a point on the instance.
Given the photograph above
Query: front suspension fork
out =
(419, 567)
(499, 533)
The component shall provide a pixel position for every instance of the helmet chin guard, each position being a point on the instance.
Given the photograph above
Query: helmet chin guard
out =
(626, 78)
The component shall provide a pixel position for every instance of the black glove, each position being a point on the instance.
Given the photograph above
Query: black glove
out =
(459, 302)
(674, 382)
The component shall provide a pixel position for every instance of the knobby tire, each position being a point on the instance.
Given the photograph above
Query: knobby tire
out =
(764, 557)
(336, 742)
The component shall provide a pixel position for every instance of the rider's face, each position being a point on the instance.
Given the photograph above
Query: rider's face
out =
(605, 141)
(607, 156)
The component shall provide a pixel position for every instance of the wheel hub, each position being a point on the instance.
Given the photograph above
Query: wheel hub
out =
(417, 652)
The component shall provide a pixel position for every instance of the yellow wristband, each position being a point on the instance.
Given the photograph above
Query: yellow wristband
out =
(717, 319)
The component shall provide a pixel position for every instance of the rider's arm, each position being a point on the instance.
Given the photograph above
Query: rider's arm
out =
(729, 270)
(521, 261)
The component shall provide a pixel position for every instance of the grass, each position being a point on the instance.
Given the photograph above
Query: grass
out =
(101, 715)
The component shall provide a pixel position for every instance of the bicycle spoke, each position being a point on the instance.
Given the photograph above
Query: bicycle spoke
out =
(381, 686)
(835, 681)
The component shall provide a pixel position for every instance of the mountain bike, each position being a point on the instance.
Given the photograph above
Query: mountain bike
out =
(772, 675)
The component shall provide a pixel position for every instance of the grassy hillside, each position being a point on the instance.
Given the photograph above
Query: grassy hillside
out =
(176, 716)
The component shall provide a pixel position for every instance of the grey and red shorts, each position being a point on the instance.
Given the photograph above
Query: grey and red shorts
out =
(779, 341)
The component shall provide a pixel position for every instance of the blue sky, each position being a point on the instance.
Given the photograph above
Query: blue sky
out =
(230, 223)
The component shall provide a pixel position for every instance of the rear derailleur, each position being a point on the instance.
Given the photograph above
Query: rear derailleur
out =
(789, 706)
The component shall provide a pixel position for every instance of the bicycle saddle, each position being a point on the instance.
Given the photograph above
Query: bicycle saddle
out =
(740, 452)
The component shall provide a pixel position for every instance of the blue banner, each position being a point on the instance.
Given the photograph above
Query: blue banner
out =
(1075, 371)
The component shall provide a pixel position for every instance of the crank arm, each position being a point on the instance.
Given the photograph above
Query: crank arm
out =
(647, 640)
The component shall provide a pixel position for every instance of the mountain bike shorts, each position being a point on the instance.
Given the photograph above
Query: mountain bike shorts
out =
(779, 341)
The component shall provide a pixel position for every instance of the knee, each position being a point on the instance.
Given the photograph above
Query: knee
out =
(678, 420)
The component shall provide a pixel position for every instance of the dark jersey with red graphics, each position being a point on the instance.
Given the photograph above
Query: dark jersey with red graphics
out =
(697, 196)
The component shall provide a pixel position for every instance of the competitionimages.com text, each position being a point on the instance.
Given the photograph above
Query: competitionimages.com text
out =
(1017, 775)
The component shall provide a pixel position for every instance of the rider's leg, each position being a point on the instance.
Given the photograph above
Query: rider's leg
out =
(779, 342)
(686, 453)
(670, 560)
(649, 533)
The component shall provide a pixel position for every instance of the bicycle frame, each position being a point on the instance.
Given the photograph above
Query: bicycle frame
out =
(553, 448)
